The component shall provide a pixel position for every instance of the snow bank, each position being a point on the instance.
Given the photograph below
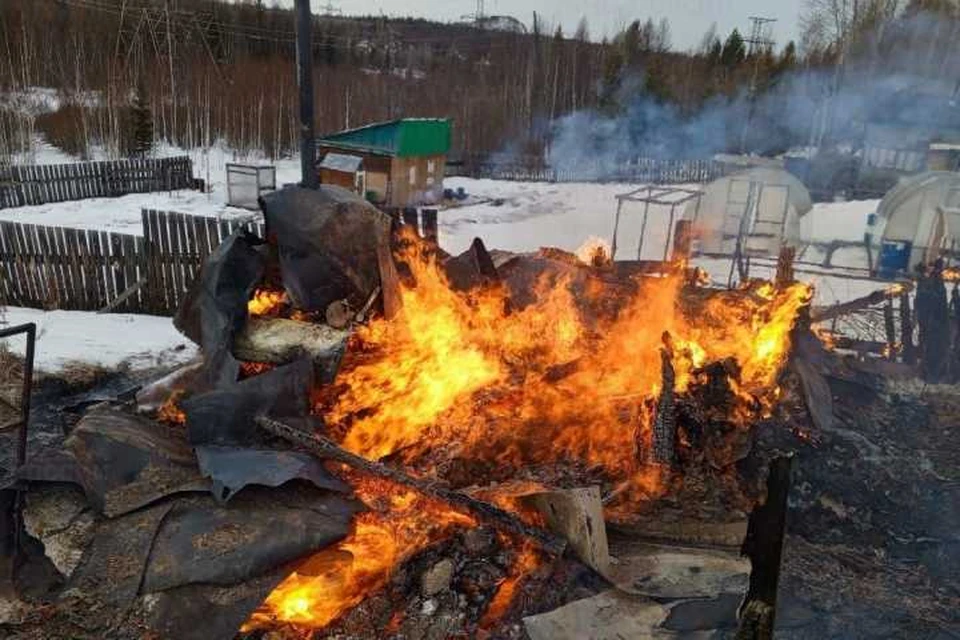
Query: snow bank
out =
(105, 339)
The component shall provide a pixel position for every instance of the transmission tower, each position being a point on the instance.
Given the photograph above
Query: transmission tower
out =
(329, 9)
(760, 41)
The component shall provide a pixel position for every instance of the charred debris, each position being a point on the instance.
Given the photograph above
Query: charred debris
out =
(384, 441)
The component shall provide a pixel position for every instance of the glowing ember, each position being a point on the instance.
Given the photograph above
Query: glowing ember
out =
(400, 523)
(170, 412)
(527, 560)
(266, 302)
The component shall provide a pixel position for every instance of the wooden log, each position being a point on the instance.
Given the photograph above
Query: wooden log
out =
(665, 424)
(279, 341)
(891, 331)
(906, 330)
(494, 516)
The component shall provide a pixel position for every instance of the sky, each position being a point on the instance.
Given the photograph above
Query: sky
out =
(689, 19)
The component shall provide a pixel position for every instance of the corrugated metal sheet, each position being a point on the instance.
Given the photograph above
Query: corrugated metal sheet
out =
(408, 137)
(341, 162)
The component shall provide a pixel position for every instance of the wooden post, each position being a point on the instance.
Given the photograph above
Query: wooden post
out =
(665, 424)
(431, 231)
(764, 546)
(891, 331)
(906, 330)
(682, 241)
(785, 266)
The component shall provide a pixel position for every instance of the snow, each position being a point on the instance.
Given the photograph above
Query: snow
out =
(122, 214)
(110, 340)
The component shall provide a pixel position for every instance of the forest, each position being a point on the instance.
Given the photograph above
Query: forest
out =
(130, 73)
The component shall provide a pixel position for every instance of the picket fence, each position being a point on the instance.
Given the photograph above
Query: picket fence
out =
(22, 185)
(90, 270)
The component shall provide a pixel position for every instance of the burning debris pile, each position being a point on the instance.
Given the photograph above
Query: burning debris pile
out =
(431, 431)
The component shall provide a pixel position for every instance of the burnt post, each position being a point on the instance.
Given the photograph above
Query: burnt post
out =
(309, 177)
(682, 240)
(763, 544)
(906, 330)
(665, 424)
(891, 331)
(785, 266)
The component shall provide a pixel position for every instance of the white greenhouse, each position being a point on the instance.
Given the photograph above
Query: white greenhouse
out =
(760, 207)
(917, 221)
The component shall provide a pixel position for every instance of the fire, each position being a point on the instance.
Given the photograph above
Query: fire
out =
(400, 523)
(266, 302)
(170, 412)
(460, 375)
(527, 561)
(594, 252)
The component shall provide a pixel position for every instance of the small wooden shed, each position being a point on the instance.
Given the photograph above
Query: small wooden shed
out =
(402, 161)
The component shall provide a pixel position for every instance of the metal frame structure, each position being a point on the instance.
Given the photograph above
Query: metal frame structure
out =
(665, 196)
(11, 503)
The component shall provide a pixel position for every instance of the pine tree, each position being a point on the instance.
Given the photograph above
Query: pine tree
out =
(734, 50)
(141, 143)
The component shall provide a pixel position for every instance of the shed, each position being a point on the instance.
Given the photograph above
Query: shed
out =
(917, 220)
(342, 170)
(403, 160)
(763, 205)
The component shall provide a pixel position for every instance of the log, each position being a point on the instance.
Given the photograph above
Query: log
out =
(906, 330)
(665, 425)
(846, 308)
(280, 341)
(327, 449)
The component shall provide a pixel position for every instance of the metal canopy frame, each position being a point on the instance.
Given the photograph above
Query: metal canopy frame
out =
(665, 196)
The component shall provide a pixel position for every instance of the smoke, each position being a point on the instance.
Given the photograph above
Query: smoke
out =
(894, 75)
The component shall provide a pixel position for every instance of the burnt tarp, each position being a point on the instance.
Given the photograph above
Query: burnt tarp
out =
(226, 415)
(216, 305)
(122, 461)
(327, 241)
(261, 529)
(472, 268)
(233, 468)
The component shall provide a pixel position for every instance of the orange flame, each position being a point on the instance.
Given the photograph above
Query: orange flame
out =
(400, 523)
(456, 373)
(266, 302)
(170, 411)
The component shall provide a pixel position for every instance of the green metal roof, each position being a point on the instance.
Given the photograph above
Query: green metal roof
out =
(402, 138)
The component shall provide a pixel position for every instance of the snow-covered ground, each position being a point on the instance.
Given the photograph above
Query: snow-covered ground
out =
(515, 216)
(108, 339)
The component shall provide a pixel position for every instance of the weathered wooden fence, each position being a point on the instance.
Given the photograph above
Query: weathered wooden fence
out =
(90, 270)
(175, 246)
(38, 184)
(59, 268)
(648, 170)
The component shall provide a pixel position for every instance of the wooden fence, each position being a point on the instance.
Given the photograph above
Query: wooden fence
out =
(39, 184)
(175, 246)
(90, 270)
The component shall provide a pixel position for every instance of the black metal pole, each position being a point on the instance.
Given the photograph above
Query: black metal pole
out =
(305, 81)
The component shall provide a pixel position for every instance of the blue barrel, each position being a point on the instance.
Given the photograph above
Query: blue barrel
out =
(894, 259)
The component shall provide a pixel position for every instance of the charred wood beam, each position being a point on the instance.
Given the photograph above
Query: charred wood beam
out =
(327, 449)
(785, 266)
(862, 346)
(891, 331)
(665, 425)
(906, 330)
(853, 306)
(764, 546)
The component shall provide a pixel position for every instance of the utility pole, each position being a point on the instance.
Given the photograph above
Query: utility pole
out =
(309, 178)
(760, 40)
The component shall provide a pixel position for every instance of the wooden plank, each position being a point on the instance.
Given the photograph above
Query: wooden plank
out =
(25, 283)
(164, 261)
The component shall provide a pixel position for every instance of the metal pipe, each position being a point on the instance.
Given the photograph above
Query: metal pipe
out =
(309, 178)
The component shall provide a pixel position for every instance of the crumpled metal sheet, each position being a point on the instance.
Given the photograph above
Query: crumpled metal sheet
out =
(122, 461)
(260, 529)
(209, 612)
(233, 468)
(226, 415)
(111, 570)
(216, 305)
(327, 240)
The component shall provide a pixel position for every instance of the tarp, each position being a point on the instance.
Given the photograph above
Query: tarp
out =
(327, 241)
(216, 306)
